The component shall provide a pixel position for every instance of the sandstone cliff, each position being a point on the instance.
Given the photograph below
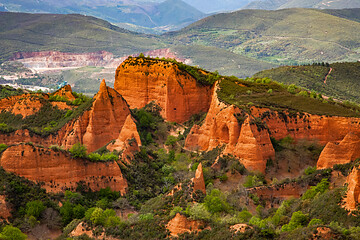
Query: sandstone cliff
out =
(198, 180)
(346, 151)
(246, 134)
(25, 104)
(141, 81)
(58, 170)
(352, 198)
(65, 92)
(180, 224)
(128, 140)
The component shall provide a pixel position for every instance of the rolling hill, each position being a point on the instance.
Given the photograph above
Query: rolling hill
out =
(23, 32)
(342, 82)
(283, 36)
(320, 4)
(166, 15)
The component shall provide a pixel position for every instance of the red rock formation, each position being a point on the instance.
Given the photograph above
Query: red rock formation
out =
(4, 208)
(105, 119)
(141, 81)
(199, 182)
(25, 104)
(59, 171)
(251, 143)
(180, 224)
(94, 128)
(128, 140)
(65, 92)
(346, 151)
(241, 227)
(353, 190)
(244, 141)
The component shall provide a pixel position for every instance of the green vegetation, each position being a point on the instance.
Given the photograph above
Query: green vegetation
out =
(255, 33)
(49, 119)
(340, 84)
(7, 91)
(42, 31)
(281, 97)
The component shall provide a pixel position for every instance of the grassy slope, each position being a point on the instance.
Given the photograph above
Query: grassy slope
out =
(227, 63)
(342, 83)
(68, 33)
(299, 35)
(351, 14)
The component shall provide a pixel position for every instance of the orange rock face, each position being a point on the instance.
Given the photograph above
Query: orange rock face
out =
(65, 92)
(4, 208)
(353, 190)
(128, 140)
(252, 146)
(346, 151)
(241, 227)
(180, 224)
(25, 104)
(199, 183)
(59, 171)
(95, 128)
(249, 137)
(141, 81)
(105, 119)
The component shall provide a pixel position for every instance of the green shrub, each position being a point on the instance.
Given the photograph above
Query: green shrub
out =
(315, 221)
(198, 211)
(34, 208)
(78, 150)
(12, 233)
(175, 210)
(3, 147)
(310, 170)
(292, 88)
(321, 187)
(298, 219)
(216, 202)
(146, 217)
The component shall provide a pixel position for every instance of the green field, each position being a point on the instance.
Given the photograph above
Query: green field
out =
(283, 37)
(342, 83)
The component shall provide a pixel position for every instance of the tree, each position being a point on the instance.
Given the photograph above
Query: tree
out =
(216, 202)
(78, 150)
(34, 208)
(12, 233)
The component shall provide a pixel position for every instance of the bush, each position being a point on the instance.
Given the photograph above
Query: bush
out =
(292, 88)
(78, 150)
(310, 170)
(198, 211)
(175, 210)
(34, 208)
(315, 221)
(298, 219)
(171, 140)
(12, 233)
(321, 187)
(216, 202)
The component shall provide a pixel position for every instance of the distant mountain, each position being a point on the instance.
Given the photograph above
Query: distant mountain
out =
(23, 32)
(165, 15)
(286, 36)
(320, 4)
(351, 13)
(211, 6)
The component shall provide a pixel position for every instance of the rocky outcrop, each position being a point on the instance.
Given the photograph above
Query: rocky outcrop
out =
(95, 128)
(128, 140)
(4, 208)
(352, 198)
(198, 180)
(65, 92)
(25, 104)
(58, 170)
(83, 228)
(104, 120)
(346, 151)
(242, 139)
(180, 224)
(240, 228)
(141, 80)
(246, 134)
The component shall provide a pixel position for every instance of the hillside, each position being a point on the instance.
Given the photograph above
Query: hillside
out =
(221, 60)
(320, 4)
(283, 36)
(169, 14)
(342, 83)
(23, 32)
(183, 152)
